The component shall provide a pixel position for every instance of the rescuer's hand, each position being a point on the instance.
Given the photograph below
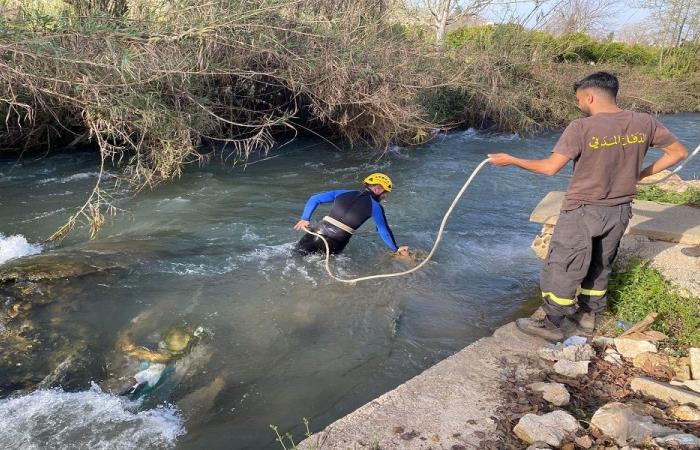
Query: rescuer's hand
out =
(500, 159)
(302, 224)
(402, 251)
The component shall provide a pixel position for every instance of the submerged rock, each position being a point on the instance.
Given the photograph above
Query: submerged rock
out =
(75, 372)
(42, 268)
(202, 400)
(551, 428)
(625, 425)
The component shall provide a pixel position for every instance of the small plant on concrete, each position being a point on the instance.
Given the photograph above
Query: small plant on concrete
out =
(689, 197)
(289, 444)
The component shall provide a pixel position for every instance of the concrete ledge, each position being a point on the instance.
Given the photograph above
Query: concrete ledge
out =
(448, 405)
(659, 221)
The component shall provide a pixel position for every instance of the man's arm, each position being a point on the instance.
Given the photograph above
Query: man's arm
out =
(383, 227)
(673, 154)
(549, 166)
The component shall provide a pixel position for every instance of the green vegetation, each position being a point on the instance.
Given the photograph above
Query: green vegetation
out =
(577, 47)
(153, 83)
(655, 194)
(289, 444)
(639, 290)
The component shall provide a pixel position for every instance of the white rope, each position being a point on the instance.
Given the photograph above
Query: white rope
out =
(427, 258)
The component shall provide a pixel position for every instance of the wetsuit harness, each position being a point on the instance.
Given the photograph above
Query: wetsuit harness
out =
(349, 211)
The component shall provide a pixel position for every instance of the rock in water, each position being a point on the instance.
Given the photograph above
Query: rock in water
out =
(201, 401)
(554, 393)
(551, 428)
(571, 369)
(629, 348)
(76, 371)
(625, 425)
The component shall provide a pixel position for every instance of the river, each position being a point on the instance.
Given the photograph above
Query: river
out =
(280, 341)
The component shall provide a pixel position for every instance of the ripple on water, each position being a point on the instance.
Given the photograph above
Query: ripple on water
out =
(89, 419)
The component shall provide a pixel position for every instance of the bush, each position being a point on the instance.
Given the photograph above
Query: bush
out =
(575, 47)
(149, 89)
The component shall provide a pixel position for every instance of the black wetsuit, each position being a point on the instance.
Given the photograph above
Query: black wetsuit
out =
(351, 208)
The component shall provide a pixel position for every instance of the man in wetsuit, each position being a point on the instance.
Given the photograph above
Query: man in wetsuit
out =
(608, 148)
(349, 211)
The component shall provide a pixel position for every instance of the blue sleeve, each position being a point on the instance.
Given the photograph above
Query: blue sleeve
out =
(382, 226)
(317, 199)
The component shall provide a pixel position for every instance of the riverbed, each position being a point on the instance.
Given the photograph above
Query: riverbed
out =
(280, 340)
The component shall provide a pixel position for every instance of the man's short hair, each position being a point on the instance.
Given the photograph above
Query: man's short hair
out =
(604, 81)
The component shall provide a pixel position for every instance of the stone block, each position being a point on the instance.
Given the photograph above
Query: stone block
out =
(551, 428)
(665, 392)
(629, 348)
(570, 368)
(554, 393)
(695, 363)
(625, 425)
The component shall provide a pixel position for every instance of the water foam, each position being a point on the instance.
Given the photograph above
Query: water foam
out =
(90, 419)
(75, 177)
(15, 246)
(472, 134)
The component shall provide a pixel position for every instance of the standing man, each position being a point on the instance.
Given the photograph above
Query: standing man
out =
(608, 148)
(349, 211)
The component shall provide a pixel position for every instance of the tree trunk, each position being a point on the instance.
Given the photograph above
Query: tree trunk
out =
(441, 24)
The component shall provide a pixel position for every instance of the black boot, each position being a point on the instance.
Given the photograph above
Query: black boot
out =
(543, 328)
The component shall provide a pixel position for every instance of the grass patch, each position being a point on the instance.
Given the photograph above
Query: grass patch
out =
(655, 194)
(639, 290)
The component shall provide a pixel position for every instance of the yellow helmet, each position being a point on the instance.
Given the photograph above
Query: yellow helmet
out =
(380, 179)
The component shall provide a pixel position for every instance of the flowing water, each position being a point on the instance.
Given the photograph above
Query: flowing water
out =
(280, 340)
